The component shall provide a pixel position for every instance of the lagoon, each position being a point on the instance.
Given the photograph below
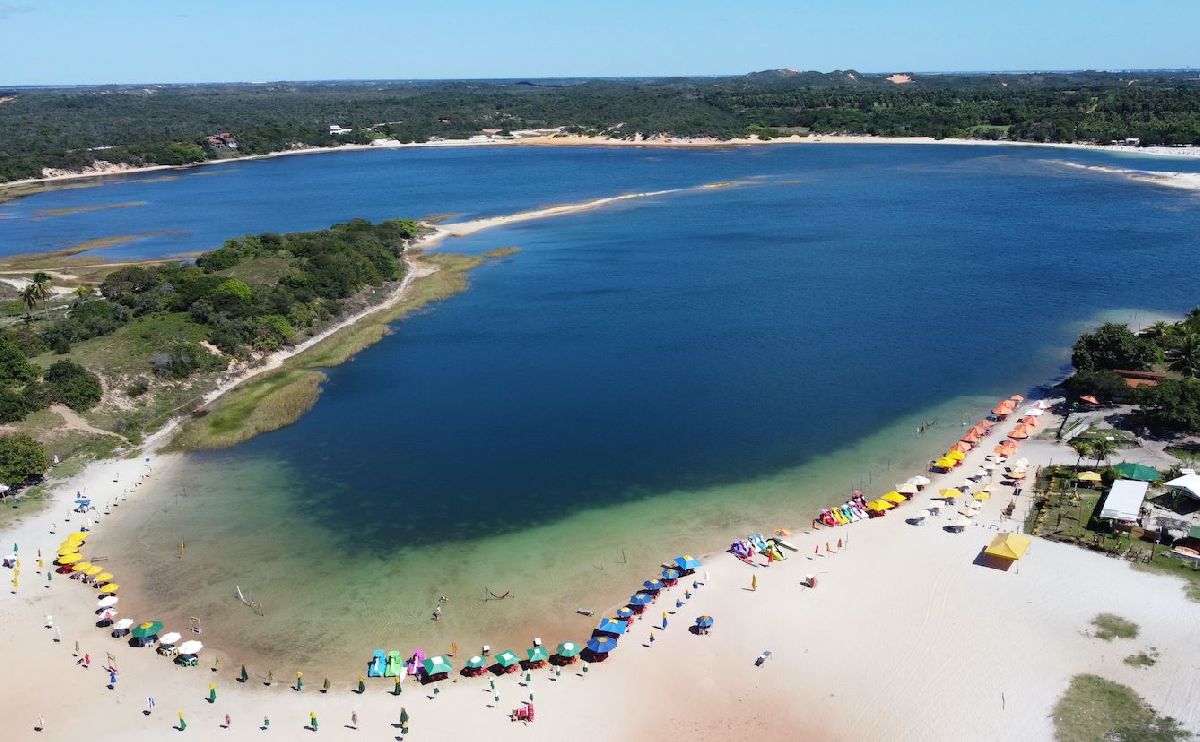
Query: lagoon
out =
(639, 380)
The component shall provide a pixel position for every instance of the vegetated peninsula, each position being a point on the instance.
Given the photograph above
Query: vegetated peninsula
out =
(87, 368)
(45, 132)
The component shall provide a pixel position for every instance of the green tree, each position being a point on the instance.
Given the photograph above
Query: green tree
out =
(29, 297)
(73, 385)
(1173, 404)
(21, 458)
(1102, 449)
(42, 281)
(1103, 385)
(1184, 356)
(1113, 346)
(15, 368)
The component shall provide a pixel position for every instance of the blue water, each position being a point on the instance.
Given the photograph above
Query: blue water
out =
(678, 349)
(185, 211)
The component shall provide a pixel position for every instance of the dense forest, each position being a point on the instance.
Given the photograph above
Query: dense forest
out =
(70, 128)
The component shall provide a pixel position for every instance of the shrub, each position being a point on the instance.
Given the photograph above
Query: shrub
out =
(12, 406)
(73, 385)
(1113, 346)
(184, 358)
(21, 458)
(15, 368)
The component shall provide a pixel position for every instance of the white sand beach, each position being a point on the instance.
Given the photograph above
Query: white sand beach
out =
(904, 637)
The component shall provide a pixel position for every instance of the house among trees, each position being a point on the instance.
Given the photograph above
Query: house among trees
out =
(1135, 379)
(335, 130)
(223, 140)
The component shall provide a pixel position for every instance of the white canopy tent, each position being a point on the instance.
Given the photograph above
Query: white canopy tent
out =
(1189, 484)
(1124, 500)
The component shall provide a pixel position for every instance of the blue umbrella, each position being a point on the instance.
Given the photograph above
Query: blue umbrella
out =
(641, 599)
(670, 574)
(611, 626)
(653, 585)
(602, 644)
(624, 613)
(687, 562)
(705, 622)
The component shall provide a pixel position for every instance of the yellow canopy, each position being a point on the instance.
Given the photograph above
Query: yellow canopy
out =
(82, 566)
(950, 493)
(894, 497)
(1088, 476)
(69, 559)
(982, 495)
(77, 538)
(945, 462)
(68, 552)
(880, 505)
(956, 455)
(93, 570)
(104, 577)
(1008, 546)
(110, 588)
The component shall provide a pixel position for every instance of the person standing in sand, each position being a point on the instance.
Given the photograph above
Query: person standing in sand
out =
(754, 582)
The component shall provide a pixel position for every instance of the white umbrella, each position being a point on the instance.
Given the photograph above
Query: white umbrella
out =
(123, 624)
(907, 488)
(974, 504)
(922, 514)
(1022, 463)
(989, 466)
(920, 480)
(1033, 412)
(962, 522)
(190, 647)
(170, 638)
(106, 601)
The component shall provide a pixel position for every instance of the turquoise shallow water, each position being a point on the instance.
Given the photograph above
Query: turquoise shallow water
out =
(638, 380)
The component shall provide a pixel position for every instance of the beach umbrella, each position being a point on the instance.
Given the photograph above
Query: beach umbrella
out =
(880, 505)
(908, 488)
(653, 585)
(956, 455)
(476, 663)
(1138, 471)
(611, 626)
(69, 559)
(921, 515)
(123, 624)
(170, 638)
(147, 629)
(641, 599)
(67, 548)
(894, 497)
(567, 649)
(920, 480)
(93, 570)
(624, 613)
(76, 538)
(81, 567)
(110, 588)
(507, 659)
(107, 601)
(670, 574)
(602, 644)
(687, 562)
(537, 654)
(436, 666)
(982, 495)
(705, 622)
(190, 647)
(104, 577)
(1089, 476)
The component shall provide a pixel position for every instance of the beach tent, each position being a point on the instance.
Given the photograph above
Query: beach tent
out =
(1138, 471)
(1189, 484)
(1089, 476)
(436, 666)
(1010, 546)
(537, 654)
(1124, 500)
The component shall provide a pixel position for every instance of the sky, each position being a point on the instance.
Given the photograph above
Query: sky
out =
(65, 42)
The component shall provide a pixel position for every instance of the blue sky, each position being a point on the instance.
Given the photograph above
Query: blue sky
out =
(123, 41)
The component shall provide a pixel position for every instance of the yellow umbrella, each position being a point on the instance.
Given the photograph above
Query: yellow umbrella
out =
(956, 455)
(93, 570)
(945, 463)
(69, 559)
(64, 549)
(1089, 476)
(82, 566)
(949, 493)
(894, 497)
(983, 495)
(110, 588)
(104, 577)
(880, 505)
(77, 538)
(1008, 546)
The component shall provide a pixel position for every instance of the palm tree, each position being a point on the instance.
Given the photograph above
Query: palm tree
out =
(1185, 356)
(41, 280)
(1102, 448)
(1083, 447)
(29, 297)
(1159, 330)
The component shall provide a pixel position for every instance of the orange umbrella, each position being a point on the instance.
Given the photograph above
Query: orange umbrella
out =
(970, 440)
(1029, 420)
(1001, 411)
(1090, 399)
(1016, 398)
(974, 432)
(985, 424)
(1020, 433)
(961, 446)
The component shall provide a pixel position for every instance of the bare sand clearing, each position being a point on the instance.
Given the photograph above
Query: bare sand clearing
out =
(903, 638)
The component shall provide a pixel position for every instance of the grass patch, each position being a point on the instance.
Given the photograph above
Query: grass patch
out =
(1110, 626)
(1097, 709)
(501, 252)
(260, 270)
(279, 398)
(1148, 658)
(128, 350)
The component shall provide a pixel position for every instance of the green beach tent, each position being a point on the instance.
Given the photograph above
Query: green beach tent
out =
(537, 654)
(436, 666)
(507, 658)
(1140, 472)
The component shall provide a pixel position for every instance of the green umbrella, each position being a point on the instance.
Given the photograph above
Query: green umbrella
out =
(1140, 472)
(569, 649)
(243, 676)
(403, 715)
(476, 663)
(436, 665)
(507, 659)
(147, 630)
(537, 654)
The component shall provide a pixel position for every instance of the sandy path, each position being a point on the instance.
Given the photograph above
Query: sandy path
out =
(904, 639)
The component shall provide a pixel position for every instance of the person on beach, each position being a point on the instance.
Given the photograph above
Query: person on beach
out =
(150, 704)
(41, 724)
(437, 613)
(57, 635)
(354, 719)
(754, 582)
(266, 725)
(325, 686)
(49, 621)
(228, 721)
(182, 723)
(87, 661)
(312, 720)
(652, 638)
(112, 679)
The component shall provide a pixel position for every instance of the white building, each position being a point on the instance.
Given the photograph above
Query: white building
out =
(335, 130)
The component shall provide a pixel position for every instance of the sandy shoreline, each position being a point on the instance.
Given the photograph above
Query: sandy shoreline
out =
(903, 638)
(585, 141)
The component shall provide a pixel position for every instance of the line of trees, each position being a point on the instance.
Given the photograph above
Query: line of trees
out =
(171, 125)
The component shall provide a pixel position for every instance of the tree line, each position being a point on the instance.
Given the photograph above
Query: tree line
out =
(72, 128)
